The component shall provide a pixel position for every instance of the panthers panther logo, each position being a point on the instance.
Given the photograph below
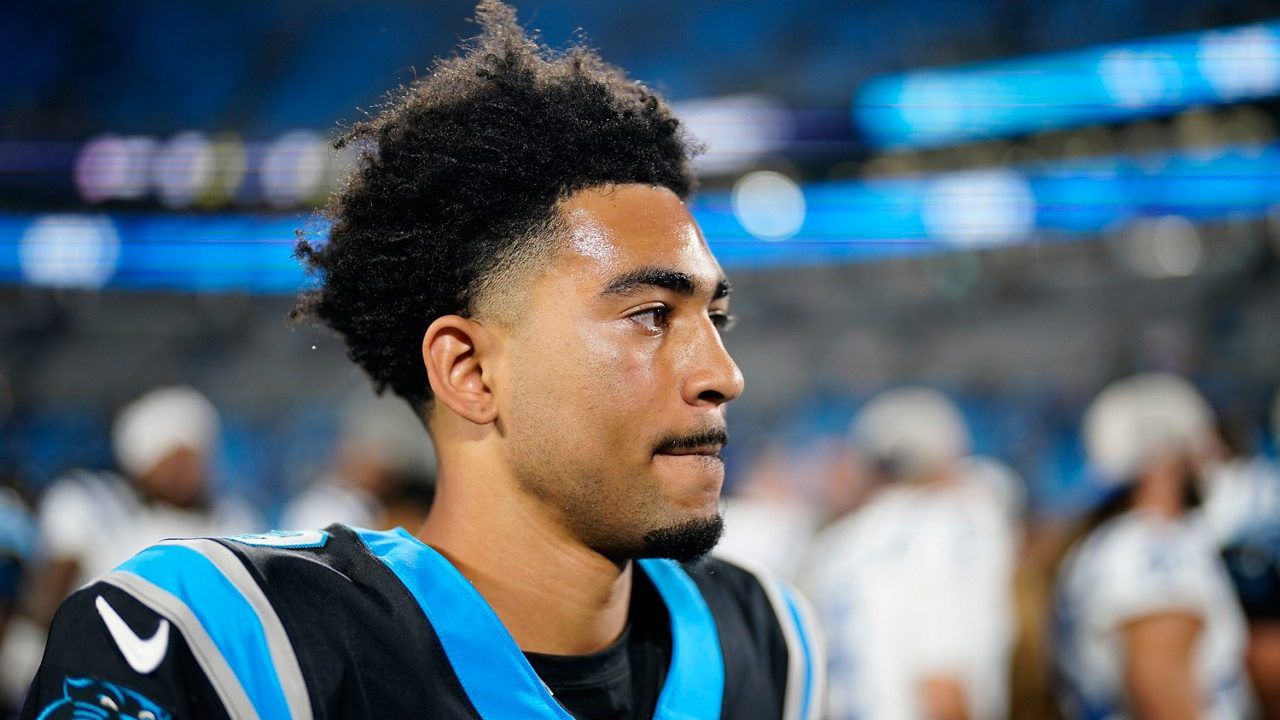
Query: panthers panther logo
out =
(92, 699)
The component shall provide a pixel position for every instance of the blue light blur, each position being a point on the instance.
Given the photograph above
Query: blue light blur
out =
(1073, 200)
(195, 253)
(1158, 76)
(855, 221)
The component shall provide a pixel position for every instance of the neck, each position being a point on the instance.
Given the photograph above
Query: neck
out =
(553, 594)
(1160, 492)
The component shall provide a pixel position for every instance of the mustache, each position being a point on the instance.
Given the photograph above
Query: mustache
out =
(710, 436)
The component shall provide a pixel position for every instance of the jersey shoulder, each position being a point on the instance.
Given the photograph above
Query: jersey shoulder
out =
(109, 652)
(1135, 544)
(1136, 565)
(360, 635)
(296, 624)
(768, 636)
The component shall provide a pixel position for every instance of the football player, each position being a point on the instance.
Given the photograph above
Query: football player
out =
(515, 259)
(913, 586)
(1146, 622)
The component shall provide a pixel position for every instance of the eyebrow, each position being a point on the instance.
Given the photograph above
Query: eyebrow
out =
(665, 278)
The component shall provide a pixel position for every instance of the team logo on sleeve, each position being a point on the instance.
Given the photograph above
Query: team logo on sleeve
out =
(142, 655)
(101, 700)
(284, 539)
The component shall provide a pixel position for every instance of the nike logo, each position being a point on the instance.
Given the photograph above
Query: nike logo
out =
(142, 655)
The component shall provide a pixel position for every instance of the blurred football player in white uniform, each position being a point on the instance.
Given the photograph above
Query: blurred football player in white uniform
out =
(768, 521)
(1251, 549)
(1242, 488)
(913, 586)
(92, 521)
(998, 487)
(18, 543)
(1253, 561)
(380, 453)
(1147, 624)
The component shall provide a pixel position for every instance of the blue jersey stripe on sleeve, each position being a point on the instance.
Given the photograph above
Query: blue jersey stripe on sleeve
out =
(224, 613)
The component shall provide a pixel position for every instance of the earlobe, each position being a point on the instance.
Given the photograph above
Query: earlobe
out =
(454, 350)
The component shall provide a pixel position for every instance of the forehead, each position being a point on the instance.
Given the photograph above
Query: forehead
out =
(623, 227)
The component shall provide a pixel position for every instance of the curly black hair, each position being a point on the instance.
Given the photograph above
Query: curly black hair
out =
(459, 180)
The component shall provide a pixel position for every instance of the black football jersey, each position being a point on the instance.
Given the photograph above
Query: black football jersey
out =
(1253, 562)
(353, 623)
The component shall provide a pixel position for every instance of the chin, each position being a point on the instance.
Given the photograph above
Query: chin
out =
(702, 509)
(692, 483)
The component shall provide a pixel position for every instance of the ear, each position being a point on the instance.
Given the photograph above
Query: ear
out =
(455, 351)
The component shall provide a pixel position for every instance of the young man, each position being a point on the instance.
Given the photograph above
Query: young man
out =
(513, 258)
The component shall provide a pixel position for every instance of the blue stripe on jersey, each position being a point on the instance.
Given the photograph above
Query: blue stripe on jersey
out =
(694, 688)
(224, 613)
(806, 644)
(498, 679)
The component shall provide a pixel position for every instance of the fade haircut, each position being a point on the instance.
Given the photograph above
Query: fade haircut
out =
(458, 183)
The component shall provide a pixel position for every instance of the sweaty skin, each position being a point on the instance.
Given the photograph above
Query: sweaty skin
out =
(549, 429)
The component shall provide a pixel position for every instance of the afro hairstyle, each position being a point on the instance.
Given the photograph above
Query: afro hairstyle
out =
(459, 178)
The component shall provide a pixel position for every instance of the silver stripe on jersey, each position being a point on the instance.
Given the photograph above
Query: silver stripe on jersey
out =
(798, 663)
(283, 657)
(205, 651)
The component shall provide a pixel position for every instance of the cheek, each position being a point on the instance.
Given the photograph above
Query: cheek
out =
(602, 418)
(591, 387)
(620, 371)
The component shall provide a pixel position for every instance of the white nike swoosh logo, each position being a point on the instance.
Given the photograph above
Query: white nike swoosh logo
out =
(142, 655)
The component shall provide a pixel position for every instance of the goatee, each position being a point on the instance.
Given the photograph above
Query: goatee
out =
(685, 543)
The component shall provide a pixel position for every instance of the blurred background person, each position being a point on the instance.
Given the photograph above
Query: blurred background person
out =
(1147, 623)
(90, 521)
(768, 520)
(913, 586)
(1253, 562)
(18, 544)
(383, 475)
(1242, 485)
(1252, 555)
(997, 487)
(18, 548)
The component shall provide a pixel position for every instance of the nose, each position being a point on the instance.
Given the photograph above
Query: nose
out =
(713, 377)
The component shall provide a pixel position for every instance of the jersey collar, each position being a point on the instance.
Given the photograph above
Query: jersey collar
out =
(498, 679)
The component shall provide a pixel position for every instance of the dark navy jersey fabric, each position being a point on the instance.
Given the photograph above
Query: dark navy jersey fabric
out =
(1253, 562)
(364, 646)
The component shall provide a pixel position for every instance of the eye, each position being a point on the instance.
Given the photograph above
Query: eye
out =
(108, 703)
(723, 321)
(652, 319)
